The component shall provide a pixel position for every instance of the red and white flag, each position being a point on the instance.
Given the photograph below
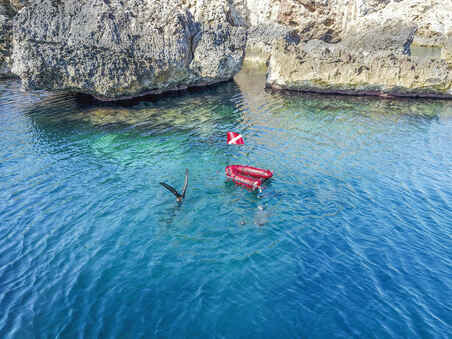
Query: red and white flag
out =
(235, 139)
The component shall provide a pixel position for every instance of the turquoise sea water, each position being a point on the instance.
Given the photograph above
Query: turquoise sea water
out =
(352, 238)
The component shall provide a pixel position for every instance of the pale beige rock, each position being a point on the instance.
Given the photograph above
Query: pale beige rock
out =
(78, 51)
(262, 18)
(446, 52)
(314, 19)
(432, 18)
(214, 12)
(19, 4)
(373, 55)
(325, 20)
(263, 11)
(330, 20)
(317, 66)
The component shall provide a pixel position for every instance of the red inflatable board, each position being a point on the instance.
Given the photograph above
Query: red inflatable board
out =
(248, 176)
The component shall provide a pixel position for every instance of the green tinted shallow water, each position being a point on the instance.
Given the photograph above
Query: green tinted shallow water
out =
(351, 238)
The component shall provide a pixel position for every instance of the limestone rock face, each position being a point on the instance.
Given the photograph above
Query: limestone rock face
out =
(317, 66)
(264, 28)
(447, 50)
(212, 12)
(433, 19)
(263, 11)
(373, 54)
(259, 43)
(6, 15)
(325, 20)
(19, 4)
(115, 49)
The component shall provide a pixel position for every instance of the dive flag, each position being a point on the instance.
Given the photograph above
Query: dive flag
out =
(235, 139)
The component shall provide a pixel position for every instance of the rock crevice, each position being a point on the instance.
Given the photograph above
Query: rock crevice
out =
(376, 48)
(118, 50)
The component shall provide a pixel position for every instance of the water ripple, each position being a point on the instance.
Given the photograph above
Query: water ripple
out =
(351, 238)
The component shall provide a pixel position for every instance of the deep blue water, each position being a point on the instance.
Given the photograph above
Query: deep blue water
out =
(352, 238)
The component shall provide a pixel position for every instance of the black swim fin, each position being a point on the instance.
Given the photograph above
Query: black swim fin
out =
(171, 189)
(184, 190)
(179, 197)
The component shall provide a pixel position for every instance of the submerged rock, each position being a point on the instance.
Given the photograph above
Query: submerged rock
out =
(115, 49)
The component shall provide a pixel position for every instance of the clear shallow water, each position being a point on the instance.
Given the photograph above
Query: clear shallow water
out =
(352, 237)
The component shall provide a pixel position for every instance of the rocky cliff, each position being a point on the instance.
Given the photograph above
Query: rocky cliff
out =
(325, 20)
(7, 13)
(364, 47)
(115, 49)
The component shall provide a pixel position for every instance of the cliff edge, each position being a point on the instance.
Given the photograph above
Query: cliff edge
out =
(115, 50)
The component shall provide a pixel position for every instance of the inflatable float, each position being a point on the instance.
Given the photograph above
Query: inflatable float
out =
(248, 176)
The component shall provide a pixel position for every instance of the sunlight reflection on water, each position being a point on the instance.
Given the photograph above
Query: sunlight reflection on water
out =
(351, 237)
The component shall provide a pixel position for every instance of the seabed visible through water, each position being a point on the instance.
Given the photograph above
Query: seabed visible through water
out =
(351, 238)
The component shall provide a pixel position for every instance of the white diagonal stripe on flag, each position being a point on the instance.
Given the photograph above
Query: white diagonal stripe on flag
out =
(233, 140)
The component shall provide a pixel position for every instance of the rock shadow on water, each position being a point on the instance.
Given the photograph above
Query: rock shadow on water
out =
(179, 110)
(197, 120)
(150, 139)
(269, 107)
(202, 110)
(373, 107)
(193, 116)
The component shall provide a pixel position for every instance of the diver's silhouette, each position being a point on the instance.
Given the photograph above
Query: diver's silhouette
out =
(179, 197)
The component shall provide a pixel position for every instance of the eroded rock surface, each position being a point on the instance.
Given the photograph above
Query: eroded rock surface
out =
(371, 54)
(6, 23)
(263, 30)
(325, 20)
(116, 49)
(317, 66)
(19, 4)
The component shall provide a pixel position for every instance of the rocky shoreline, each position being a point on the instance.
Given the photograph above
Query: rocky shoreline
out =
(113, 49)
(371, 54)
